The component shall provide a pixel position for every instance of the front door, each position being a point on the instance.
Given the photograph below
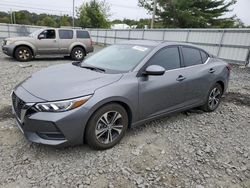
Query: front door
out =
(160, 94)
(47, 42)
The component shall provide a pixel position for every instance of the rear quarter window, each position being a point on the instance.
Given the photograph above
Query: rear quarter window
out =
(204, 56)
(191, 56)
(82, 34)
(65, 34)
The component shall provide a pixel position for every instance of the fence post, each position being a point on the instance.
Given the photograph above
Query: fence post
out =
(188, 35)
(115, 36)
(97, 33)
(105, 39)
(163, 34)
(129, 34)
(143, 32)
(220, 44)
(8, 30)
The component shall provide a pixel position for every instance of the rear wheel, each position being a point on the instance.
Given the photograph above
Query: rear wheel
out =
(78, 54)
(107, 126)
(23, 54)
(213, 98)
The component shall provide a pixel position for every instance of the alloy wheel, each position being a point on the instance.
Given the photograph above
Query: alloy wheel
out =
(214, 98)
(24, 54)
(78, 54)
(109, 127)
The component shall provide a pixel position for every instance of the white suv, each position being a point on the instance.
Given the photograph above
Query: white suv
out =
(49, 41)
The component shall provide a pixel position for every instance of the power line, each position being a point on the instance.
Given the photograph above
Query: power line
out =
(35, 8)
(25, 3)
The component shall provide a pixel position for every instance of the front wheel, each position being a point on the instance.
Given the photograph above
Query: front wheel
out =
(23, 54)
(213, 98)
(107, 126)
(78, 54)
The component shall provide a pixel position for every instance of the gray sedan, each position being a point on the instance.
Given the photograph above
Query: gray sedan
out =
(124, 85)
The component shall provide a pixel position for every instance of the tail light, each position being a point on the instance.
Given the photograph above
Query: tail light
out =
(91, 42)
(229, 67)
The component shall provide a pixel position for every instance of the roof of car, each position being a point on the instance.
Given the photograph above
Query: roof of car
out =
(142, 42)
(154, 43)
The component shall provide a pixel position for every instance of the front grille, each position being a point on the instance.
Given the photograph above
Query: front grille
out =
(4, 42)
(18, 104)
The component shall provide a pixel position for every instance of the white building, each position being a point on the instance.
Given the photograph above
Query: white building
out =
(120, 26)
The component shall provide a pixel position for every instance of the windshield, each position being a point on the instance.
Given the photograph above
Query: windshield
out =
(35, 33)
(118, 57)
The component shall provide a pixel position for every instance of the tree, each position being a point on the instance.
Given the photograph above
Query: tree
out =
(94, 14)
(65, 21)
(48, 21)
(192, 13)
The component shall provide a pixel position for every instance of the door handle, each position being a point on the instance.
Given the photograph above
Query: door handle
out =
(180, 78)
(211, 70)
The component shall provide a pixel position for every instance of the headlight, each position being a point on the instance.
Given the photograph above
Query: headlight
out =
(8, 42)
(61, 106)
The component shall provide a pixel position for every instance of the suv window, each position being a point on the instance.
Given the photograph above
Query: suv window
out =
(204, 56)
(49, 34)
(169, 58)
(65, 34)
(82, 34)
(191, 56)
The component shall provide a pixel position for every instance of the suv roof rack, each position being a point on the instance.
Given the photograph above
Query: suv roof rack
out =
(69, 27)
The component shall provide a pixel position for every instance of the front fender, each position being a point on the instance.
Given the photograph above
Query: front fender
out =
(25, 43)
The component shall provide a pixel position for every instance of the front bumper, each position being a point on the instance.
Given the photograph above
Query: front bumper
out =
(8, 50)
(50, 128)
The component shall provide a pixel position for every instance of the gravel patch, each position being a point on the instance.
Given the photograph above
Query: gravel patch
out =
(191, 149)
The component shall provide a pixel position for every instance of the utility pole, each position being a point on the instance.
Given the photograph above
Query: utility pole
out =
(153, 16)
(73, 13)
(14, 17)
(11, 18)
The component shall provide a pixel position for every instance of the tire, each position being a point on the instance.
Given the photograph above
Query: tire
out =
(78, 54)
(213, 98)
(23, 54)
(100, 133)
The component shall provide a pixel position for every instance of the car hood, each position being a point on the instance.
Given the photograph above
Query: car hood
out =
(66, 81)
(18, 38)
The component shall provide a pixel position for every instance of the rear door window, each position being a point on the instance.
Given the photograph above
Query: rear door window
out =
(65, 34)
(191, 56)
(82, 34)
(168, 58)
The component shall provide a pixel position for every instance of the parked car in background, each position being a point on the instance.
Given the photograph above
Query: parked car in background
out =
(49, 41)
(121, 86)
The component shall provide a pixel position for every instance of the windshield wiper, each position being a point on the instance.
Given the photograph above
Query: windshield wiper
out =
(92, 68)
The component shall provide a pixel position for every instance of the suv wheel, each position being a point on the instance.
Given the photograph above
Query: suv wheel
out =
(23, 54)
(107, 126)
(77, 53)
(213, 98)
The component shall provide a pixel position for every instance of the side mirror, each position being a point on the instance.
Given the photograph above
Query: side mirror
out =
(41, 36)
(154, 70)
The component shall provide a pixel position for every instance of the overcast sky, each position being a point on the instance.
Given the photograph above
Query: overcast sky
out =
(119, 8)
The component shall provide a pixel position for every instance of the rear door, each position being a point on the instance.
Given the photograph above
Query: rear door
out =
(66, 38)
(161, 94)
(197, 73)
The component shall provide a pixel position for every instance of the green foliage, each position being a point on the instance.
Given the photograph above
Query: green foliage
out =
(93, 14)
(65, 21)
(192, 13)
(47, 21)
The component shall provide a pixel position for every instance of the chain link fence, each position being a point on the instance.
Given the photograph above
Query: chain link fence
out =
(15, 30)
(232, 45)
